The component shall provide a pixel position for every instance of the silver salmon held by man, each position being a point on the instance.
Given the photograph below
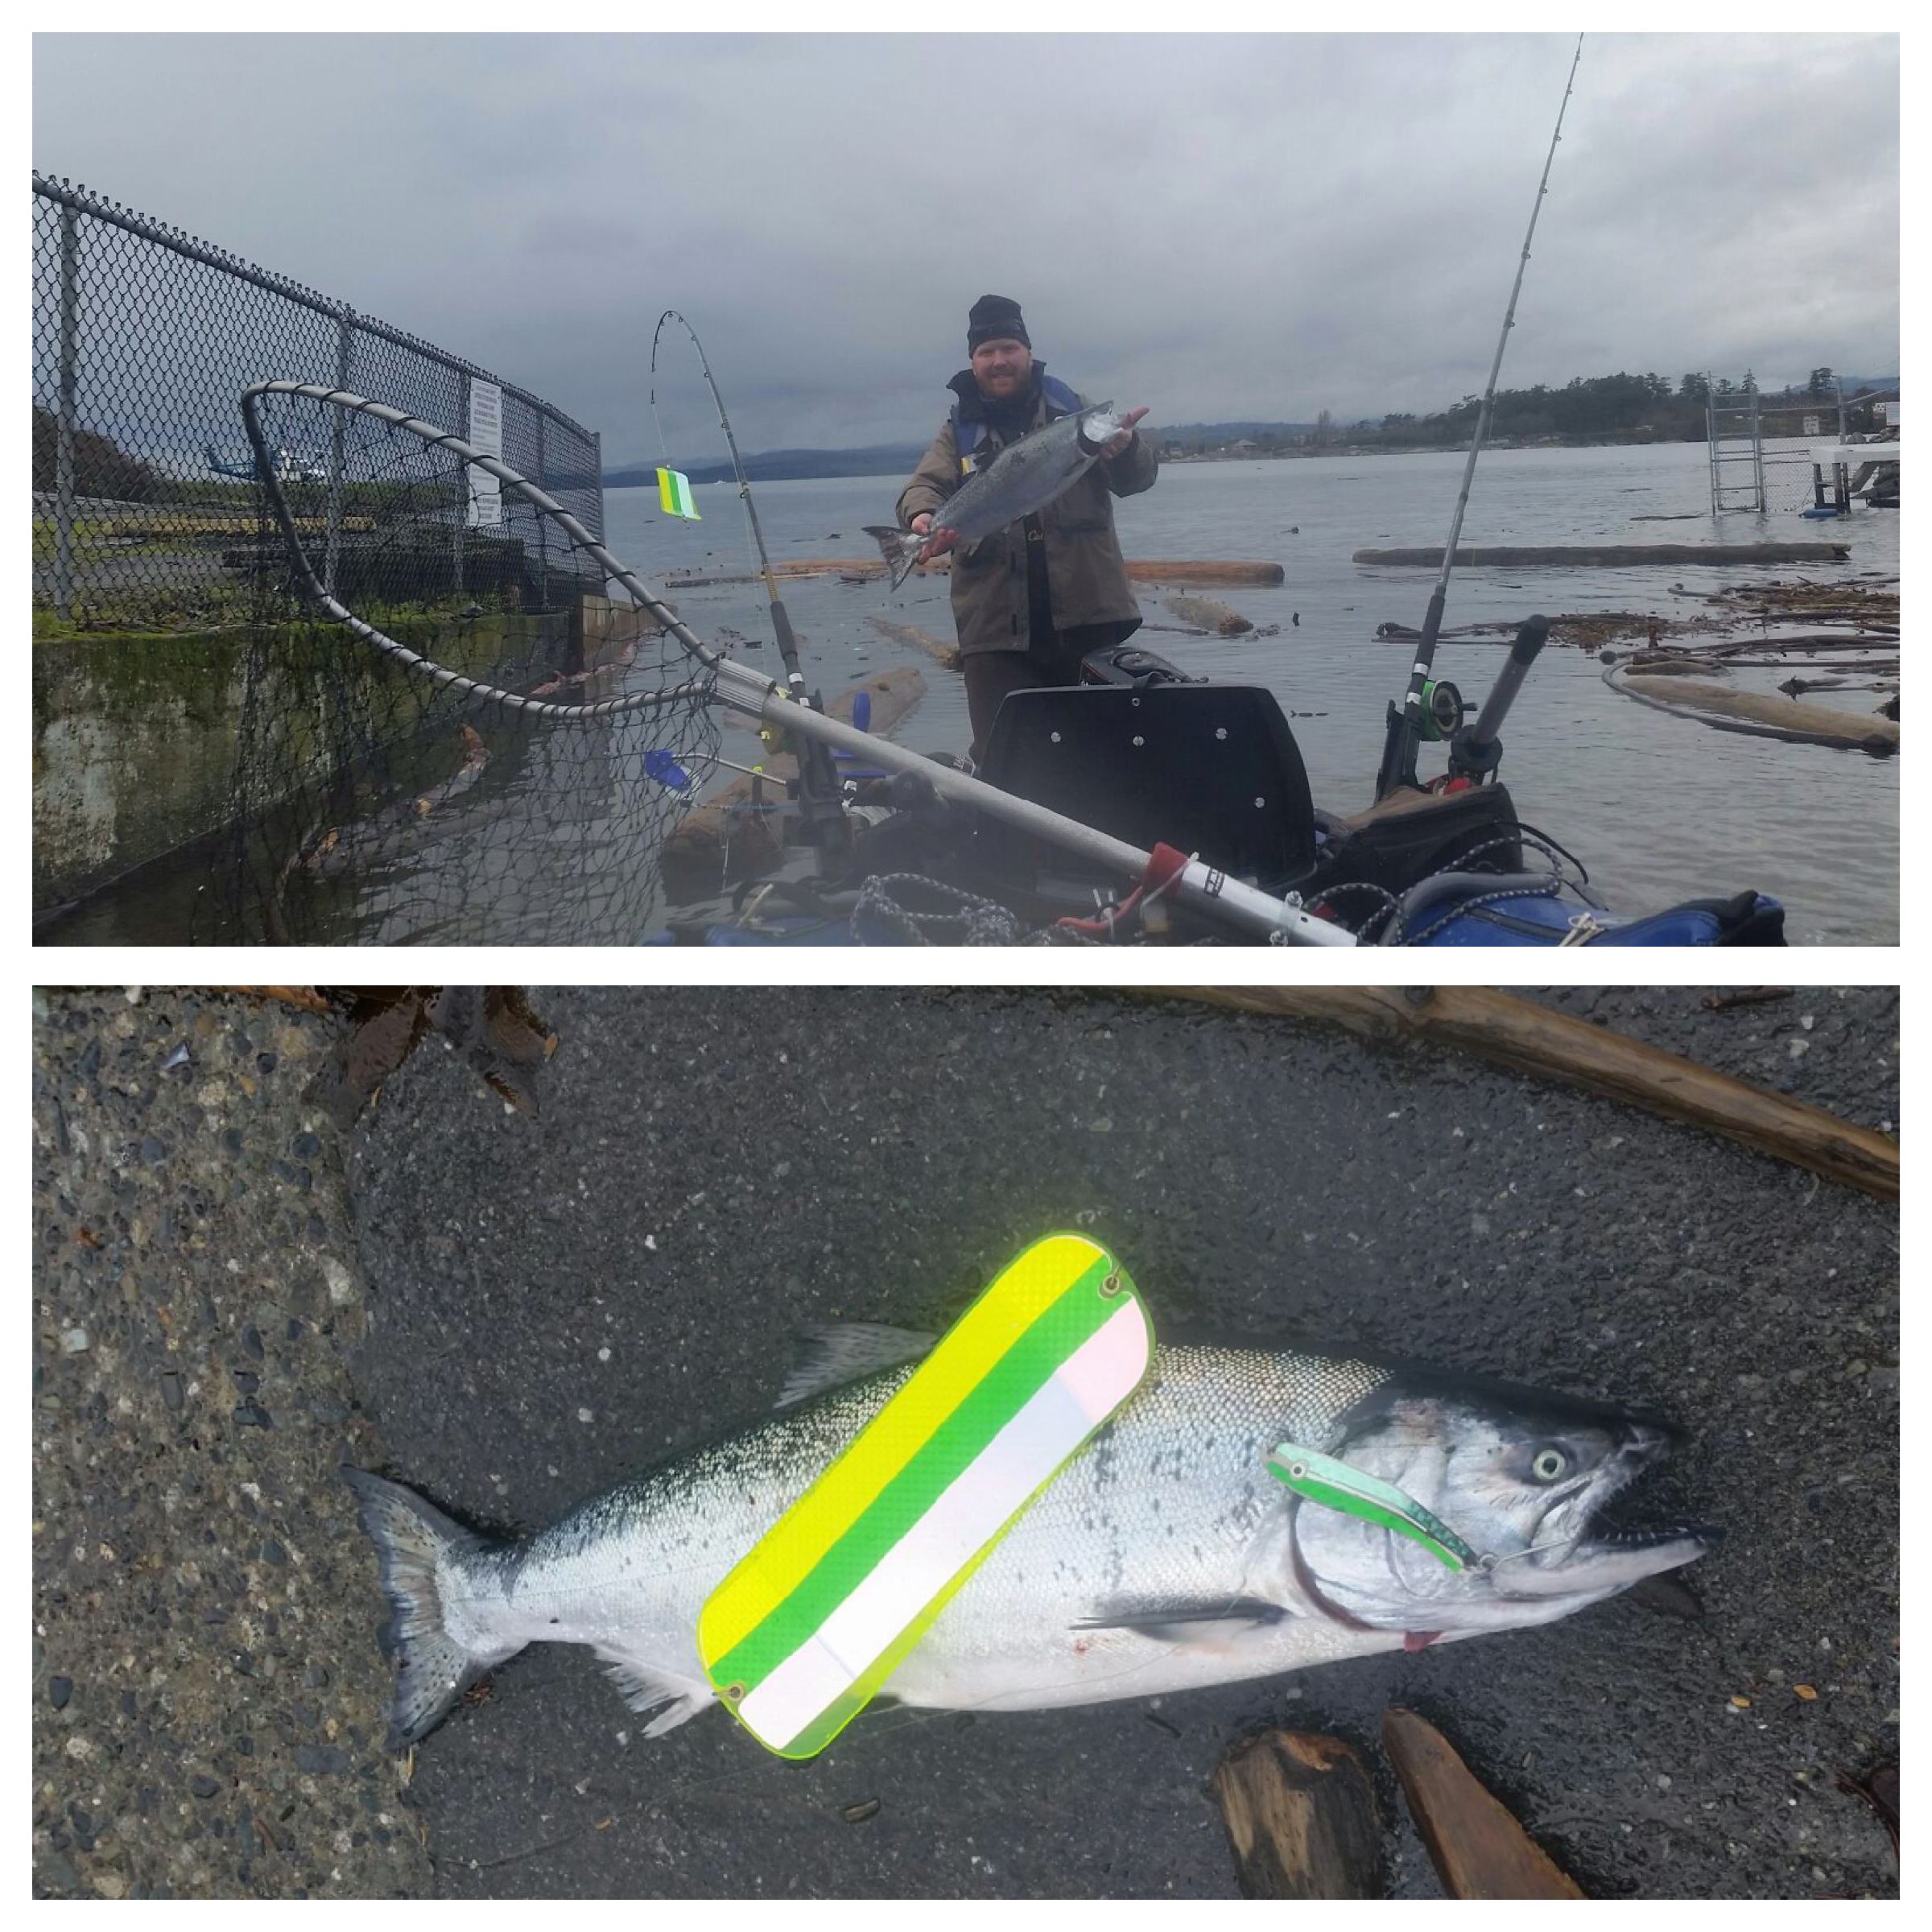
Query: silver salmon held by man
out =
(1163, 1556)
(1025, 476)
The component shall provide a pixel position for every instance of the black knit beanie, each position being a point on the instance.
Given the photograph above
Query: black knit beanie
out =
(995, 318)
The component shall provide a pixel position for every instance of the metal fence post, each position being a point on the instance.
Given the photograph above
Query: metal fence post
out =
(1757, 450)
(596, 452)
(462, 516)
(63, 448)
(345, 324)
(542, 522)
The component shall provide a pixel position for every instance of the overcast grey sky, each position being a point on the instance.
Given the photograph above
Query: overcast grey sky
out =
(1217, 226)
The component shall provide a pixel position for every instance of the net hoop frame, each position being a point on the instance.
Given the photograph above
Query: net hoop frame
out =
(545, 503)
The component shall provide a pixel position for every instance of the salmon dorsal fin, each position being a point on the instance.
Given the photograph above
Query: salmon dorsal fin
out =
(837, 1352)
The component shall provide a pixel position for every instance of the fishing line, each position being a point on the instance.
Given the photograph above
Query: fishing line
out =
(664, 441)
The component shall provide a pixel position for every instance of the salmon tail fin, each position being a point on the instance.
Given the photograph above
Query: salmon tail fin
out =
(899, 547)
(418, 1546)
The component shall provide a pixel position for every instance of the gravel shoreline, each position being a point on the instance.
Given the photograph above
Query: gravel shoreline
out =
(208, 1702)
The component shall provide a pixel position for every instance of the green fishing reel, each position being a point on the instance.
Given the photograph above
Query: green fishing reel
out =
(1442, 709)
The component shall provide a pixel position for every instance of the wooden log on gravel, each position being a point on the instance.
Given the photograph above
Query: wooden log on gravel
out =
(1479, 1849)
(1526, 1037)
(1302, 1818)
(1573, 555)
(1758, 715)
(695, 855)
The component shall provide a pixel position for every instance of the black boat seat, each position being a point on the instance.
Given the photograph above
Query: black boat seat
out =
(1211, 769)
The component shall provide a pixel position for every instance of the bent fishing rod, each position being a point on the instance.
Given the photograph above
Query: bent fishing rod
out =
(823, 820)
(1408, 724)
(781, 623)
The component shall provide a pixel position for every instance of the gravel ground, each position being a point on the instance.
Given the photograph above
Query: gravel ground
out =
(207, 1701)
(551, 1304)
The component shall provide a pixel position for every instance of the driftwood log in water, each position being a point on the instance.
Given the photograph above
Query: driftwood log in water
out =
(1574, 554)
(1142, 570)
(945, 655)
(1302, 1818)
(696, 855)
(1756, 714)
(1478, 1848)
(1210, 614)
(1223, 571)
(1531, 1038)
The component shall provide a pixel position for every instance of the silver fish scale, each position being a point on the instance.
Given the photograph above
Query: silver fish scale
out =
(1164, 1504)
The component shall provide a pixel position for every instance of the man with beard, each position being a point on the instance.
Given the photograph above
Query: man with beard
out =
(1029, 600)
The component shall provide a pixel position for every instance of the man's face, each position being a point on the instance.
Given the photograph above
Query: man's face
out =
(1002, 366)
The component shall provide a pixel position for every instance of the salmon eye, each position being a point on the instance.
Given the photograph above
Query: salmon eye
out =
(1549, 1464)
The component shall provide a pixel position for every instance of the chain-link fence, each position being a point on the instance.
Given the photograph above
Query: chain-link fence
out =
(211, 737)
(1793, 427)
(144, 339)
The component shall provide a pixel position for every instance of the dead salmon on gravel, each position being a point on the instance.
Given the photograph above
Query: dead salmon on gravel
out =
(1163, 1556)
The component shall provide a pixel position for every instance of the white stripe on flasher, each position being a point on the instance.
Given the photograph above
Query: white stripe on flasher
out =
(1081, 1393)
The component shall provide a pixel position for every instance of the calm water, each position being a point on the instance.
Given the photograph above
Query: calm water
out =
(1659, 808)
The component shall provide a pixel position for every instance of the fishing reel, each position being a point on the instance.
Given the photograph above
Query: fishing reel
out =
(1443, 712)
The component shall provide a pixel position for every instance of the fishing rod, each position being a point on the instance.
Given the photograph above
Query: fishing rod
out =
(823, 816)
(788, 646)
(1408, 724)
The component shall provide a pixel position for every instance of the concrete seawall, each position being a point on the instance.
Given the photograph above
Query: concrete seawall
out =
(135, 736)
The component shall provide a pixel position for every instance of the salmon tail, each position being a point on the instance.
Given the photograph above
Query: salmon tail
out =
(417, 1546)
(899, 547)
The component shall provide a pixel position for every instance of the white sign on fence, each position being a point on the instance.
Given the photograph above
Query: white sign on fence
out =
(485, 436)
(1812, 425)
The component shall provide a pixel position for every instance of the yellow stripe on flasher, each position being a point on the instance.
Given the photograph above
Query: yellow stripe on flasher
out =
(674, 495)
(793, 1545)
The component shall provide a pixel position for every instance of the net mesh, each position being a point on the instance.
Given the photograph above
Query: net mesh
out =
(454, 729)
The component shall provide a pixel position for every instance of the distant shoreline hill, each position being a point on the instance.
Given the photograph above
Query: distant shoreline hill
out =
(1604, 409)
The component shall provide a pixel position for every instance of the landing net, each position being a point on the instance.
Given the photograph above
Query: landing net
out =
(463, 721)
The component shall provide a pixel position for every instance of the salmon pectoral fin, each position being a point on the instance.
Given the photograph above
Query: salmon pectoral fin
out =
(1182, 1623)
(667, 1699)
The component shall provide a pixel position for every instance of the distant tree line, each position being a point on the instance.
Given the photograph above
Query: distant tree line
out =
(102, 467)
(1618, 408)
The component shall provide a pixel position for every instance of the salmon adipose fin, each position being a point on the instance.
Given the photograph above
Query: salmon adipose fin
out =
(900, 547)
(418, 1548)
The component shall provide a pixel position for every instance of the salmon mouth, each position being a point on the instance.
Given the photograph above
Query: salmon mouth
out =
(1609, 1559)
